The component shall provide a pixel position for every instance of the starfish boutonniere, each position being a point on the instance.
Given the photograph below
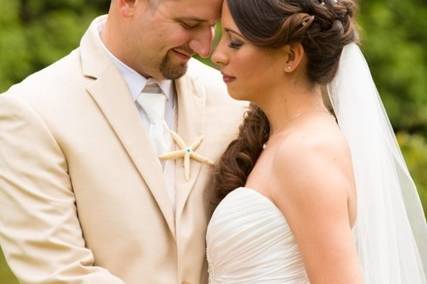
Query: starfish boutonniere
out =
(186, 152)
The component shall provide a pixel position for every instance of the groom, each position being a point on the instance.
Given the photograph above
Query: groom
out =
(84, 197)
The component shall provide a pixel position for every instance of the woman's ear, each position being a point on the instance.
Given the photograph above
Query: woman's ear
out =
(127, 7)
(294, 53)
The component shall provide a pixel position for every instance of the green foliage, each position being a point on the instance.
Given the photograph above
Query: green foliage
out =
(6, 276)
(395, 43)
(14, 58)
(414, 148)
(34, 33)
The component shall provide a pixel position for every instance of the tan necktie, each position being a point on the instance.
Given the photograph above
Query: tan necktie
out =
(153, 102)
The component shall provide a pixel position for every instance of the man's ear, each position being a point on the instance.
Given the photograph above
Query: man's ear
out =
(293, 55)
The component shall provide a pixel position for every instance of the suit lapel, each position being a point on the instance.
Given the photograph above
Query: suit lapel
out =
(111, 94)
(191, 105)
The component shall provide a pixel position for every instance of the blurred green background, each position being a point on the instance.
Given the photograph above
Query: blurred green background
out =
(34, 33)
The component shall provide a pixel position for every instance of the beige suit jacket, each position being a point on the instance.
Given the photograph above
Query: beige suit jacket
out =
(82, 196)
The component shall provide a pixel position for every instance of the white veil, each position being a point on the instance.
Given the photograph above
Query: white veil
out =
(391, 230)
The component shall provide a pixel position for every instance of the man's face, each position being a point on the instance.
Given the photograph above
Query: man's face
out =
(162, 37)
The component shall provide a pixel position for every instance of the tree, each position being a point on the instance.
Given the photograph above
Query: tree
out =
(34, 33)
(395, 43)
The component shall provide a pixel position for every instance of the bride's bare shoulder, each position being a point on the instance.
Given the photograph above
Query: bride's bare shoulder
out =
(312, 156)
(322, 137)
(313, 178)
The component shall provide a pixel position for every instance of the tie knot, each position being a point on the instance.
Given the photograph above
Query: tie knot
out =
(153, 102)
(152, 87)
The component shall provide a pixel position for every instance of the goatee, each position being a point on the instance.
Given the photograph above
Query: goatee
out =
(172, 70)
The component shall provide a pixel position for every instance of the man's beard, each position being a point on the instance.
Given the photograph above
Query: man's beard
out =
(170, 70)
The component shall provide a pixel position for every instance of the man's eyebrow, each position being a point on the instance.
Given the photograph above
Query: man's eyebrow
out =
(195, 19)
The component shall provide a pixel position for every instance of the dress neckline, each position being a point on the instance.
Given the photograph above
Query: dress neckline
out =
(248, 189)
(259, 194)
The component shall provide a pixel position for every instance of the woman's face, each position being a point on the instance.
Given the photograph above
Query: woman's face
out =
(249, 71)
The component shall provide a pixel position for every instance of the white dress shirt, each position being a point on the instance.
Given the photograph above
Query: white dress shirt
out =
(136, 83)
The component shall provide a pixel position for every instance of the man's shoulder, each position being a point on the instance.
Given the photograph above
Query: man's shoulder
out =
(210, 80)
(51, 90)
(200, 70)
(56, 75)
(215, 90)
(206, 75)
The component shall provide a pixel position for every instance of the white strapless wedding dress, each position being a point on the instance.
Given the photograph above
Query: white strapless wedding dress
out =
(249, 241)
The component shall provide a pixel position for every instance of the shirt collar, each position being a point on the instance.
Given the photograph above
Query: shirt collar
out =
(135, 81)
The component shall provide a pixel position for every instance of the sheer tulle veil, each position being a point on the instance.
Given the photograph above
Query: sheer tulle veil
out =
(391, 230)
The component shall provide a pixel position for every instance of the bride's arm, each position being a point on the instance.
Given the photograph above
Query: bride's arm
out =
(313, 187)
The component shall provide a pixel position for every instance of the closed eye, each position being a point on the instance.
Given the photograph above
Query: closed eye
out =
(235, 44)
(189, 26)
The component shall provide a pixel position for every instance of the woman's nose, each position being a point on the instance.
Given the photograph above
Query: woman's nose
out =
(218, 56)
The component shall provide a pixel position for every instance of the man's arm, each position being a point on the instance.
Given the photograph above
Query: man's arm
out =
(40, 233)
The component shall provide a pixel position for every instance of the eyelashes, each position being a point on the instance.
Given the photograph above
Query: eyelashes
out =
(235, 44)
(189, 26)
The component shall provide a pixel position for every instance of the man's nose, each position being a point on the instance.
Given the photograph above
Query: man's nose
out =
(201, 42)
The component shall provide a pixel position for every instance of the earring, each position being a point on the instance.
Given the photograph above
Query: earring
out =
(289, 68)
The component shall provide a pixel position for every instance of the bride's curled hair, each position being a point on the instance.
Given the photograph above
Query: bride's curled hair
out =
(322, 27)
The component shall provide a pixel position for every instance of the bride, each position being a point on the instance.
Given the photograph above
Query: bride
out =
(307, 196)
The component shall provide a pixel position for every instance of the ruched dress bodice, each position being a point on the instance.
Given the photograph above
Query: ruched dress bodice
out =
(249, 241)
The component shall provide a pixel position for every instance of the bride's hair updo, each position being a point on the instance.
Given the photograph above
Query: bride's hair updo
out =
(322, 27)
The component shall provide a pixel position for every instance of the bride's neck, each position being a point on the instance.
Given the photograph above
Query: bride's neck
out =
(285, 104)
